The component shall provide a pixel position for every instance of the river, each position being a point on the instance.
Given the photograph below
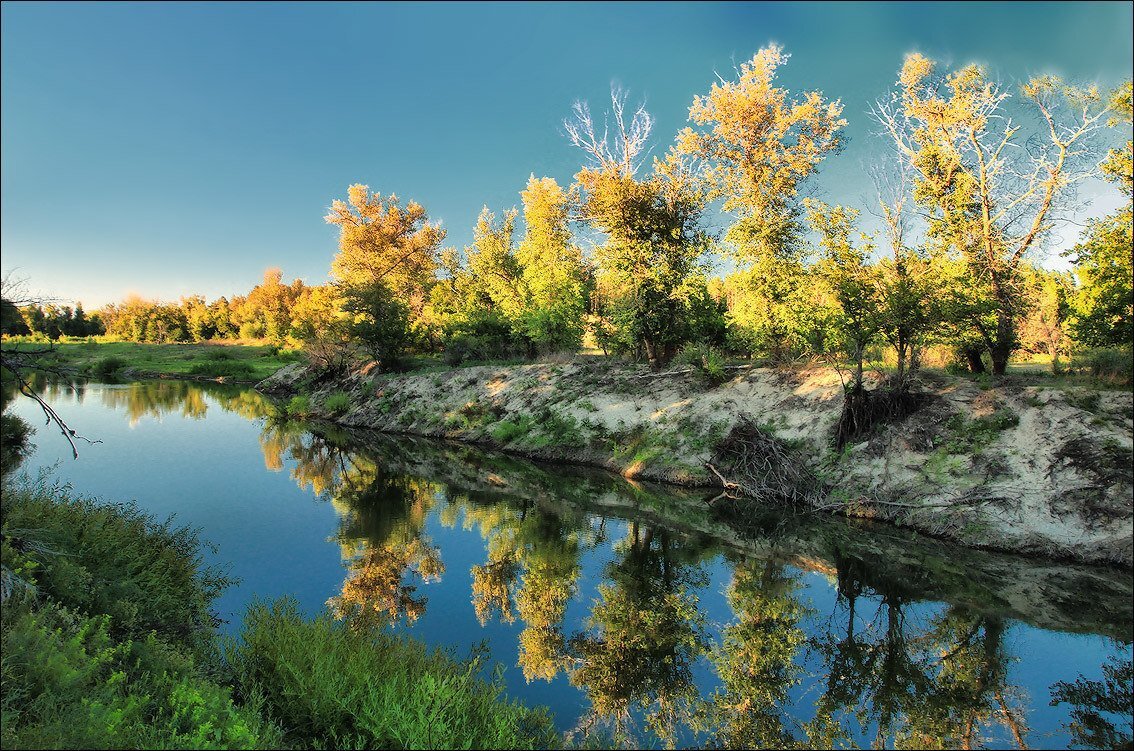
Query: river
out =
(630, 610)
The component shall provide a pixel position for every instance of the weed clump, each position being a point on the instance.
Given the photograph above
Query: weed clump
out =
(337, 403)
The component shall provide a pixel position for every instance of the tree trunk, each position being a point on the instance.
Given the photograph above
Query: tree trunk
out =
(1004, 343)
(1000, 352)
(973, 355)
(651, 354)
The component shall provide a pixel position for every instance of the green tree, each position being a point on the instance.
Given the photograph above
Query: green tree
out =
(852, 282)
(381, 240)
(1103, 308)
(552, 270)
(990, 202)
(759, 146)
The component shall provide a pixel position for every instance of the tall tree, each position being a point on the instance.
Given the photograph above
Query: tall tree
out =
(1104, 306)
(381, 240)
(990, 201)
(552, 268)
(759, 147)
(654, 244)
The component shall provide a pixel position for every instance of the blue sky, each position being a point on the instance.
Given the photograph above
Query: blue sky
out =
(173, 148)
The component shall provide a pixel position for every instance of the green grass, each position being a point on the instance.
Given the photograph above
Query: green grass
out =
(337, 686)
(299, 407)
(104, 359)
(108, 641)
(507, 431)
(337, 403)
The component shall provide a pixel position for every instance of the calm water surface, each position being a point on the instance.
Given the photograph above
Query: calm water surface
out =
(622, 607)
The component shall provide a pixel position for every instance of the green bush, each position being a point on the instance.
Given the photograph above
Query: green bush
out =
(223, 368)
(707, 361)
(507, 431)
(1110, 365)
(337, 403)
(112, 559)
(350, 686)
(108, 366)
(299, 406)
(68, 683)
(16, 435)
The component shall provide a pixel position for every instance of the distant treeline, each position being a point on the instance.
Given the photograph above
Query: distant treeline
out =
(621, 259)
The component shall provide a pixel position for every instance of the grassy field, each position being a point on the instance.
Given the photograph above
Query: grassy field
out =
(245, 363)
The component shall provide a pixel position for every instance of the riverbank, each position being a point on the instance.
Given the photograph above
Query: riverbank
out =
(226, 362)
(1003, 465)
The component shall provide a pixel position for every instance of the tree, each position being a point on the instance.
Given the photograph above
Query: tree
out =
(382, 241)
(1104, 303)
(654, 244)
(1104, 306)
(759, 148)
(552, 268)
(1042, 327)
(380, 322)
(990, 201)
(852, 283)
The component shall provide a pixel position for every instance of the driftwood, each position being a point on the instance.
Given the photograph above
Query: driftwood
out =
(761, 467)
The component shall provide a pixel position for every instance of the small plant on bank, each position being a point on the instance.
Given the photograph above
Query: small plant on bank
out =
(337, 403)
(108, 366)
(507, 431)
(707, 361)
(223, 369)
(299, 406)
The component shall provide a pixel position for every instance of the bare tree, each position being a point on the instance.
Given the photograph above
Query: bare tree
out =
(622, 151)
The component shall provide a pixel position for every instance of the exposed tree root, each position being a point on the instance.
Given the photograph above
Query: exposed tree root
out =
(864, 411)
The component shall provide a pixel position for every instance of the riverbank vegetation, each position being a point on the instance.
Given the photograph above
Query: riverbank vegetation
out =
(109, 642)
(102, 359)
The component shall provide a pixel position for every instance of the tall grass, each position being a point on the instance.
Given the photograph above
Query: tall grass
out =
(336, 685)
(108, 641)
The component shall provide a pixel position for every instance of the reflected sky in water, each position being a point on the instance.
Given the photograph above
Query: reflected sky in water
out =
(628, 614)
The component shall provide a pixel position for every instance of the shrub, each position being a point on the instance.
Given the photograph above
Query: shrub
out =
(299, 406)
(507, 431)
(108, 366)
(337, 403)
(68, 683)
(482, 335)
(223, 368)
(1111, 366)
(148, 577)
(708, 362)
(16, 443)
(352, 686)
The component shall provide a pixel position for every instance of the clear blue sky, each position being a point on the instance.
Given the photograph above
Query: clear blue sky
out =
(171, 148)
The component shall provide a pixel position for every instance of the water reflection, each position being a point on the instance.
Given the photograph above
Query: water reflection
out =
(805, 632)
(895, 664)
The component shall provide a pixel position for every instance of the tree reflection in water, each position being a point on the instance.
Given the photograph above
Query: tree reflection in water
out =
(381, 524)
(887, 668)
(1101, 714)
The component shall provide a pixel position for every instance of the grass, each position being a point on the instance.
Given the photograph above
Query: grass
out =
(337, 403)
(970, 436)
(106, 359)
(334, 686)
(109, 641)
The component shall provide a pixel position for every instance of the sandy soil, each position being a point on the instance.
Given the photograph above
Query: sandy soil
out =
(1034, 469)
